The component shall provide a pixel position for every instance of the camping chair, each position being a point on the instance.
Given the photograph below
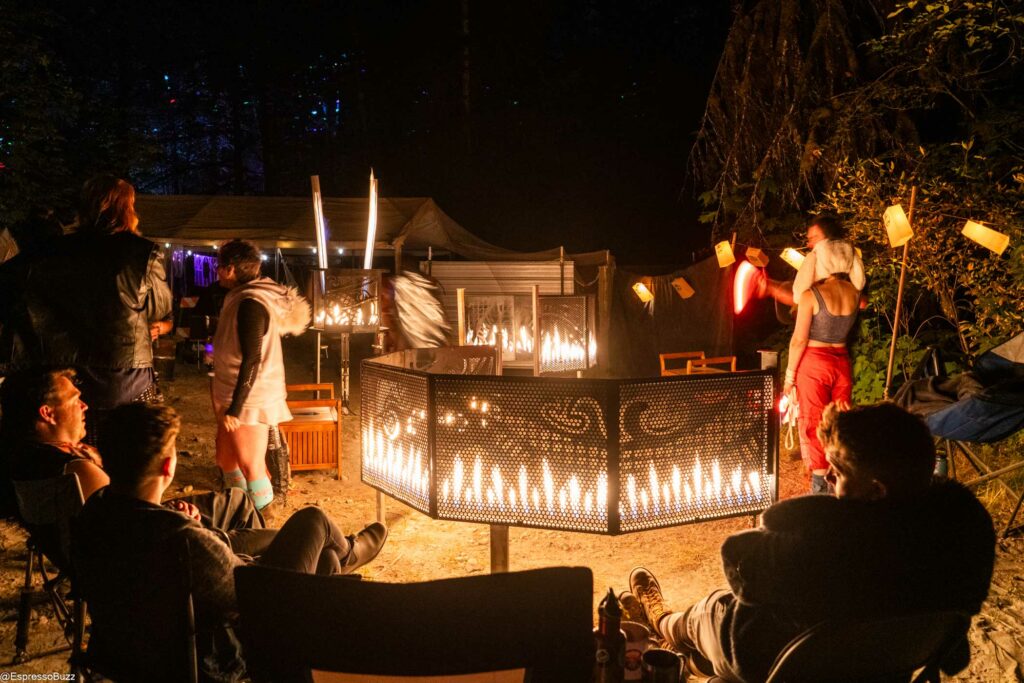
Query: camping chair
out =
(986, 417)
(537, 620)
(47, 507)
(872, 651)
(668, 368)
(162, 586)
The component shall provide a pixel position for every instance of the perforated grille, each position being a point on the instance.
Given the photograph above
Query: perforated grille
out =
(521, 451)
(539, 452)
(566, 333)
(695, 448)
(501, 319)
(346, 300)
(394, 421)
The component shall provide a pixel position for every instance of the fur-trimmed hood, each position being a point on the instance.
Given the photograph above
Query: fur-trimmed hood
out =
(291, 310)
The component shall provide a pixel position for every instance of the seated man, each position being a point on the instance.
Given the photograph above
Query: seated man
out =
(43, 427)
(892, 541)
(134, 559)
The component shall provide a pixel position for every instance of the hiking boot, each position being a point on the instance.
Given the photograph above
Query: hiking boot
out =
(632, 610)
(364, 547)
(648, 591)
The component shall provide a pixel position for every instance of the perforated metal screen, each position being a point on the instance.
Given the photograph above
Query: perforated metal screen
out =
(394, 420)
(695, 448)
(346, 299)
(566, 327)
(599, 456)
(521, 451)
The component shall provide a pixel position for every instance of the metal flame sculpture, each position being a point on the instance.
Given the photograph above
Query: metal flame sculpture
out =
(599, 456)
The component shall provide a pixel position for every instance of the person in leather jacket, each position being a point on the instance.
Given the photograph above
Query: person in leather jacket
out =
(100, 299)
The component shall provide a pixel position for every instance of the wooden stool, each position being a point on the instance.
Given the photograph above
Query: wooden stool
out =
(314, 432)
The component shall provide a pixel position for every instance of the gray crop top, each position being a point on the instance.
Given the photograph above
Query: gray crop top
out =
(827, 328)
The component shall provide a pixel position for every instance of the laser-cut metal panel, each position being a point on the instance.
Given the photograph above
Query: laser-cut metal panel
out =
(349, 301)
(521, 451)
(695, 448)
(567, 341)
(505, 319)
(394, 418)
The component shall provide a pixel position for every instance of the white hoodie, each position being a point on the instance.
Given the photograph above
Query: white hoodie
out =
(289, 313)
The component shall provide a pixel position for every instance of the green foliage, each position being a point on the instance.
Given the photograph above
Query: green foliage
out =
(958, 58)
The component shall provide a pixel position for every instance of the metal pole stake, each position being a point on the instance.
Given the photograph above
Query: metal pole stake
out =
(499, 548)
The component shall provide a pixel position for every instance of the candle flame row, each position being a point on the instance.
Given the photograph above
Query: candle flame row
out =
(536, 490)
(557, 347)
(339, 316)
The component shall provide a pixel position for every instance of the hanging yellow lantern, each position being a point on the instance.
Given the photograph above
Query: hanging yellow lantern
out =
(642, 292)
(723, 250)
(757, 257)
(986, 237)
(793, 257)
(897, 227)
(682, 287)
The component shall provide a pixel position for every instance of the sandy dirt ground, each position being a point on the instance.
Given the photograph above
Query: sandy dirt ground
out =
(685, 559)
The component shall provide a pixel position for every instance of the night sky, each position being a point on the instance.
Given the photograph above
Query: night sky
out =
(580, 113)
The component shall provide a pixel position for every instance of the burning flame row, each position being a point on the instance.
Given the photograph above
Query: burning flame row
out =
(474, 487)
(346, 316)
(556, 347)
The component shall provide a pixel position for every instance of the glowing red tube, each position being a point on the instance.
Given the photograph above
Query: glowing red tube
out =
(743, 286)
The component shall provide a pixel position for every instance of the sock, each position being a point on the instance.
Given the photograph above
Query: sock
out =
(261, 491)
(234, 479)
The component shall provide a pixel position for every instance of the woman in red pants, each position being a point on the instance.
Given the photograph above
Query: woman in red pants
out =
(819, 365)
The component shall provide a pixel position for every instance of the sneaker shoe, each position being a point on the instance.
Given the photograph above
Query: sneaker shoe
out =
(364, 547)
(647, 590)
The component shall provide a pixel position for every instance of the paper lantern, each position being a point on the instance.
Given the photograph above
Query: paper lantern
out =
(757, 257)
(682, 287)
(793, 257)
(897, 227)
(723, 250)
(986, 237)
(643, 293)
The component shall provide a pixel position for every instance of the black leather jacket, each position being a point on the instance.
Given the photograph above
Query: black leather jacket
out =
(91, 303)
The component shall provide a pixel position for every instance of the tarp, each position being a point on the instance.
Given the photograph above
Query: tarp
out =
(409, 223)
(703, 322)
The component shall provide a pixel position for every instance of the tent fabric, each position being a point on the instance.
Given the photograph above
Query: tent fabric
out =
(411, 223)
(703, 322)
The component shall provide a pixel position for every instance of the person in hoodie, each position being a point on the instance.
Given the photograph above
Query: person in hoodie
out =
(248, 391)
(892, 541)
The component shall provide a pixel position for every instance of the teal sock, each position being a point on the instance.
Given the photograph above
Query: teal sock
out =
(234, 479)
(261, 491)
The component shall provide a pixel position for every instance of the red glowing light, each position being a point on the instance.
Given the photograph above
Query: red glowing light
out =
(743, 286)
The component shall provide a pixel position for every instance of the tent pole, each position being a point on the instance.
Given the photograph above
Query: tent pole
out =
(561, 271)
(344, 359)
(899, 299)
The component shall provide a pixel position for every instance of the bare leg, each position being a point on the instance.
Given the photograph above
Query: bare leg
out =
(249, 444)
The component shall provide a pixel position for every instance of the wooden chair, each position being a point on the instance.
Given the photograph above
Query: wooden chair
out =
(314, 432)
(667, 369)
(537, 622)
(700, 366)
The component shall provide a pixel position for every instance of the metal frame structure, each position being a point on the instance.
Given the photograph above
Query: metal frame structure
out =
(422, 425)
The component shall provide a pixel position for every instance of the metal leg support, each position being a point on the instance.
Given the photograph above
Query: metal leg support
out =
(499, 548)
